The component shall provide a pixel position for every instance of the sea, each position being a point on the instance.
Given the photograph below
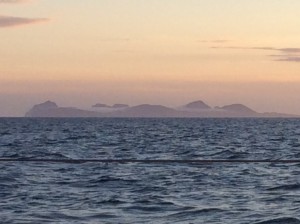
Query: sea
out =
(140, 192)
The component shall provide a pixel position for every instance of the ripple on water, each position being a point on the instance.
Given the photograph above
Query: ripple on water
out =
(288, 187)
(283, 220)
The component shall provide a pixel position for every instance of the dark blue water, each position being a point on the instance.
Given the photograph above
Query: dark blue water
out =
(39, 192)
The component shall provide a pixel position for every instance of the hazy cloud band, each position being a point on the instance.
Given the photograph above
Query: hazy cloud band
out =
(291, 54)
(13, 1)
(219, 41)
(10, 21)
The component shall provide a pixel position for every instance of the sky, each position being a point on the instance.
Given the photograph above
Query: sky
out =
(78, 53)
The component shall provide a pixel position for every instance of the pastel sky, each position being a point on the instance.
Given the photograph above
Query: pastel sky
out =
(78, 53)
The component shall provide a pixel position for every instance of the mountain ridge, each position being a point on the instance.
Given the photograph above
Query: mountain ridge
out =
(193, 109)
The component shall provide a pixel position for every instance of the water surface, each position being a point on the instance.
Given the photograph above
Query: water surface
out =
(149, 193)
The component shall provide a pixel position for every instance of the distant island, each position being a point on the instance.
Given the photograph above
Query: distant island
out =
(192, 109)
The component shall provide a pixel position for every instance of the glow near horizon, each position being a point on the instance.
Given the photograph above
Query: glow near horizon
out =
(135, 51)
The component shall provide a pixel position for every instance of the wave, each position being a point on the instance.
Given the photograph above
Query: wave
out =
(112, 202)
(230, 154)
(195, 212)
(283, 220)
(289, 187)
(5, 133)
(104, 179)
(136, 208)
(54, 216)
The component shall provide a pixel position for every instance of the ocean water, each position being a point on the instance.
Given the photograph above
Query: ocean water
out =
(40, 192)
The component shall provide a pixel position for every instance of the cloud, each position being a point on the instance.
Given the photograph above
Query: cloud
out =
(289, 58)
(10, 21)
(114, 39)
(213, 41)
(13, 1)
(283, 50)
(247, 48)
(289, 50)
(291, 54)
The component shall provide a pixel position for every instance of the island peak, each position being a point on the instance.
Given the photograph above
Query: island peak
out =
(199, 104)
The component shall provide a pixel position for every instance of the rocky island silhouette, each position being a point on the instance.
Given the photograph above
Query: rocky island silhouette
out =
(193, 109)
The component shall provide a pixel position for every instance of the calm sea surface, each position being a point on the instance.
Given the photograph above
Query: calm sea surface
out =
(37, 192)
